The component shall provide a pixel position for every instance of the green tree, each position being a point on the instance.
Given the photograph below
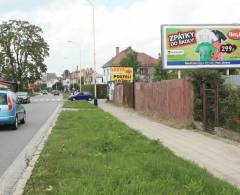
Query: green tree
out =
(22, 51)
(41, 86)
(159, 72)
(66, 74)
(131, 61)
(58, 86)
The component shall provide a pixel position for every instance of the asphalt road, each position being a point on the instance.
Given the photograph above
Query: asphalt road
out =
(13, 142)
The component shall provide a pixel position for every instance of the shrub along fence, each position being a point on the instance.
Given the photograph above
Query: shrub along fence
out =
(230, 108)
(101, 90)
(218, 107)
(171, 99)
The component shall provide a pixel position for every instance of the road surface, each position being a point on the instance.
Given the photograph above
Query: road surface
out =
(12, 142)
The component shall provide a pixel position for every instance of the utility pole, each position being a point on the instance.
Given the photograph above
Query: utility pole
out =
(77, 75)
(80, 71)
(80, 67)
(94, 54)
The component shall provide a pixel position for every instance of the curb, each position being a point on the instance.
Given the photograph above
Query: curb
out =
(16, 176)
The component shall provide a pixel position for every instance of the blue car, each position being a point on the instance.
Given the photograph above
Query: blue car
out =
(11, 111)
(81, 96)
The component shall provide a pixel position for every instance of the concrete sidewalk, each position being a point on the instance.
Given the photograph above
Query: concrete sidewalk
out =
(217, 155)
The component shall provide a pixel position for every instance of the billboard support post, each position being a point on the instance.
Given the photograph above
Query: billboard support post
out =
(179, 74)
(228, 72)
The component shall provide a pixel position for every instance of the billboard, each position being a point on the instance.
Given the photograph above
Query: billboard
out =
(122, 74)
(200, 46)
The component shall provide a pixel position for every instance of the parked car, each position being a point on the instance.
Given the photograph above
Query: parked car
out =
(44, 92)
(11, 111)
(23, 97)
(81, 96)
(56, 92)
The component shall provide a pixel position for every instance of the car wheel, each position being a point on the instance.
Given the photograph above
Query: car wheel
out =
(23, 121)
(15, 124)
(89, 99)
(73, 99)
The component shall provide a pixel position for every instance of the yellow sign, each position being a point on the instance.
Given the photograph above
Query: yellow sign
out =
(122, 74)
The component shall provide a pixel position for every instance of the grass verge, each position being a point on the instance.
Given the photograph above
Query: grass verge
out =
(91, 152)
(65, 96)
(34, 94)
(81, 104)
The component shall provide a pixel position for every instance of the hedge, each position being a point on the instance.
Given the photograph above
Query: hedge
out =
(101, 90)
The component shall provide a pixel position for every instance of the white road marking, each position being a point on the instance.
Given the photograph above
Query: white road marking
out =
(46, 100)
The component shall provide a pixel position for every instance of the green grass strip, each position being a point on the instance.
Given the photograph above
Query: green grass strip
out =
(92, 153)
(81, 104)
(65, 96)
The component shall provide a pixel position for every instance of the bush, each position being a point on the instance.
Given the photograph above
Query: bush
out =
(212, 79)
(229, 116)
(231, 108)
(101, 90)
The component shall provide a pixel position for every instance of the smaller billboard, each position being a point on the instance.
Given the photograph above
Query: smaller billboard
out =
(200, 46)
(122, 74)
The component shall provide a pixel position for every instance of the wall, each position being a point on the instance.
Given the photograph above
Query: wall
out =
(232, 80)
(171, 100)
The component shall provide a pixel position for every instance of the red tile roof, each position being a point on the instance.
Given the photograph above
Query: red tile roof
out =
(143, 59)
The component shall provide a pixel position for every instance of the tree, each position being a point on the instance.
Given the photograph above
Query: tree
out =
(159, 72)
(41, 86)
(131, 61)
(22, 51)
(66, 74)
(58, 86)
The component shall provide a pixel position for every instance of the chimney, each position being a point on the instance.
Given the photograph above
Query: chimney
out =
(117, 51)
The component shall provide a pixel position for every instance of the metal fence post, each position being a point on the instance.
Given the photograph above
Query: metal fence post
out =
(133, 84)
(217, 107)
(204, 106)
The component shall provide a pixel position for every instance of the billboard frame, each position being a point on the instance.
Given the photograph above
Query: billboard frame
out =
(180, 67)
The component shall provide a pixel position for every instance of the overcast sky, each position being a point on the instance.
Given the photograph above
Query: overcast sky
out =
(120, 23)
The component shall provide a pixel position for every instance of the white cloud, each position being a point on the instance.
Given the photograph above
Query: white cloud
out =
(137, 25)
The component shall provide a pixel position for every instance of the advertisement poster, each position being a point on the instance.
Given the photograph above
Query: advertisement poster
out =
(201, 46)
(122, 74)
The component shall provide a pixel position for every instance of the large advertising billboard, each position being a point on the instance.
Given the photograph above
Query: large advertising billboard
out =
(122, 74)
(200, 46)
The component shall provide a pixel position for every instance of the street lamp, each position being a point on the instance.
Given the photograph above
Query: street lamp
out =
(94, 54)
(80, 72)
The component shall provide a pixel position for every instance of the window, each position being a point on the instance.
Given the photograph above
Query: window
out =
(3, 99)
(14, 98)
(143, 71)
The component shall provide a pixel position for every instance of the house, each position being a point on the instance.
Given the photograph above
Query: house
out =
(8, 85)
(145, 68)
(99, 79)
(87, 75)
(50, 79)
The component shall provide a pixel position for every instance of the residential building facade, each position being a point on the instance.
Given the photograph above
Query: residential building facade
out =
(145, 69)
(87, 76)
(50, 79)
